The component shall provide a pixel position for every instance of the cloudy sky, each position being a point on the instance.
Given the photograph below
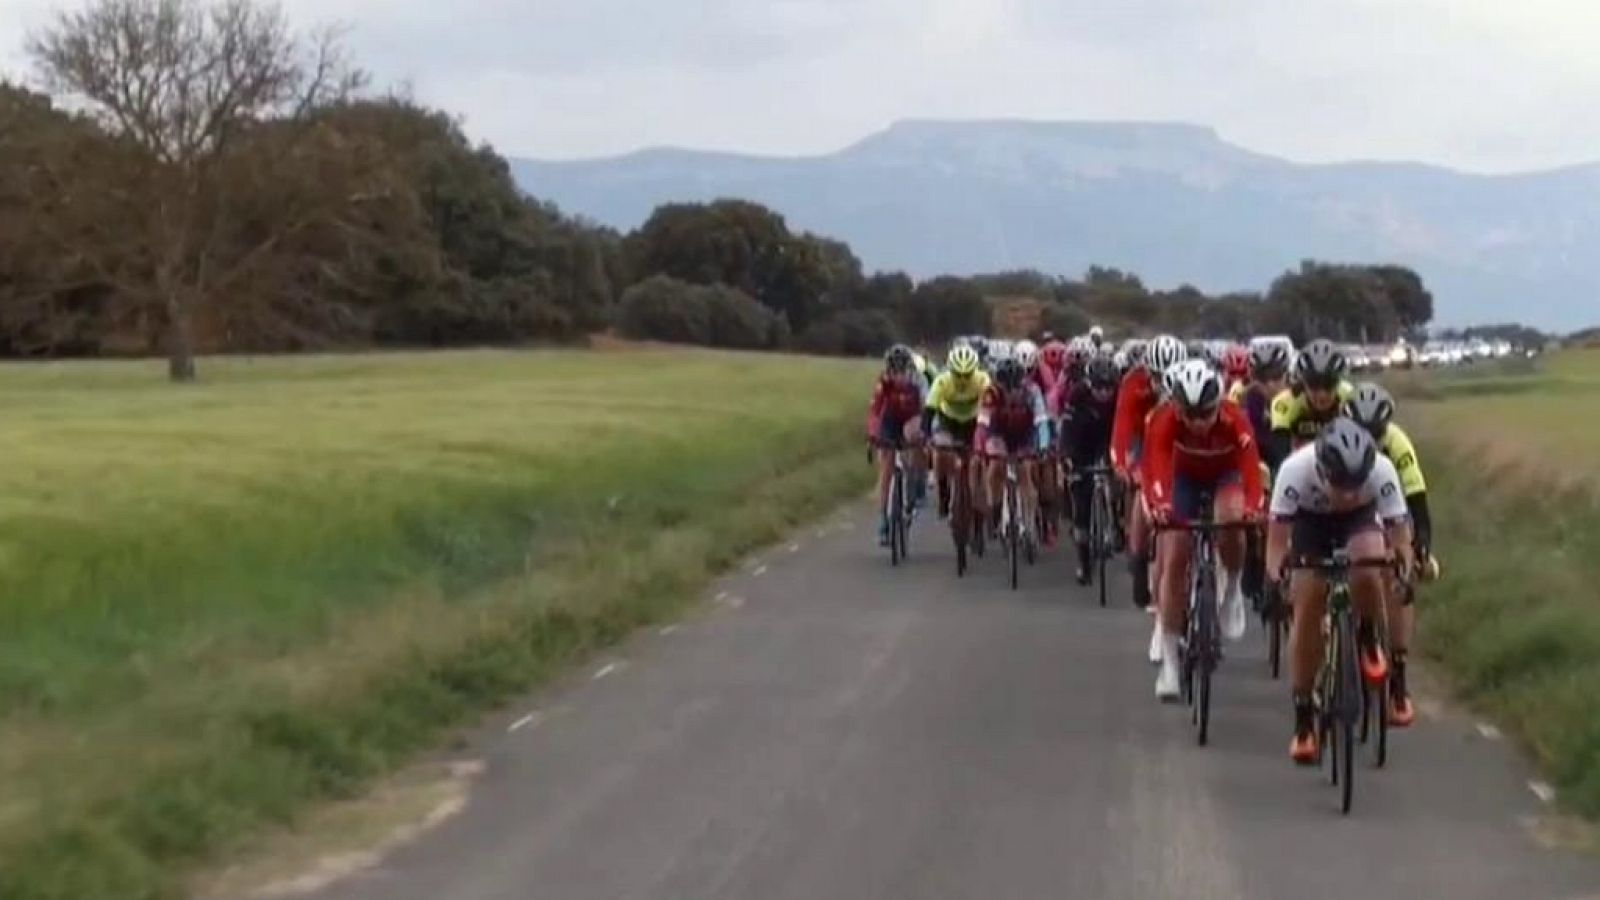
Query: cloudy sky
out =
(1488, 85)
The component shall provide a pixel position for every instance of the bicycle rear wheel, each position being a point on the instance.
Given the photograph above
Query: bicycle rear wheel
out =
(1099, 537)
(1013, 533)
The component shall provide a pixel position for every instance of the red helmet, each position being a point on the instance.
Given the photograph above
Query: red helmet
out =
(1236, 362)
(1054, 354)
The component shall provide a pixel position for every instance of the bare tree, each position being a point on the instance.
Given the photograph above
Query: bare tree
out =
(200, 99)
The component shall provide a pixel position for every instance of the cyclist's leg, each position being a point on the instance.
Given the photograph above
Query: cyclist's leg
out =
(1365, 541)
(916, 467)
(944, 461)
(1082, 506)
(1228, 508)
(1172, 598)
(887, 437)
(1401, 622)
(994, 472)
(1308, 592)
(1027, 465)
(1139, 547)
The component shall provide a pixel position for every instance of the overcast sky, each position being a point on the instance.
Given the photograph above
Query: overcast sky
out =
(1488, 85)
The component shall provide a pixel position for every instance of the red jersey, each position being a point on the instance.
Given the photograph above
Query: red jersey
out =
(1043, 378)
(900, 399)
(1135, 399)
(1171, 449)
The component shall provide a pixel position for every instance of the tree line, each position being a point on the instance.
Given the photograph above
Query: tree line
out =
(187, 177)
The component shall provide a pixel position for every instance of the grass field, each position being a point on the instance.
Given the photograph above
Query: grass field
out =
(1513, 463)
(225, 601)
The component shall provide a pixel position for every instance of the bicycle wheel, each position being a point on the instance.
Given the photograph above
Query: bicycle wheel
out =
(895, 514)
(1013, 532)
(1346, 707)
(1099, 536)
(1205, 609)
(961, 519)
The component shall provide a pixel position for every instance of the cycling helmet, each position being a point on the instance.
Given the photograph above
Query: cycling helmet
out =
(899, 359)
(1165, 352)
(980, 345)
(1120, 360)
(1345, 453)
(1136, 349)
(1103, 372)
(1320, 364)
(963, 360)
(1079, 351)
(1026, 353)
(1195, 386)
(1009, 373)
(1269, 361)
(1054, 355)
(1371, 407)
(1236, 362)
(1097, 335)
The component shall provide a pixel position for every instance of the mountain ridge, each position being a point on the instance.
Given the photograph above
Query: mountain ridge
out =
(1173, 201)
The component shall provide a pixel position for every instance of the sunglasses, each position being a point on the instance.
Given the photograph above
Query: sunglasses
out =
(1200, 415)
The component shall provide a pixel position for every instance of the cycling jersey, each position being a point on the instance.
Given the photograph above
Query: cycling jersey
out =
(1136, 398)
(897, 400)
(1396, 445)
(1018, 417)
(1085, 424)
(1252, 397)
(1172, 450)
(1292, 412)
(1301, 489)
(957, 400)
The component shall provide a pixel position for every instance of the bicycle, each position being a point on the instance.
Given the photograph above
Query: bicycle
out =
(900, 506)
(1340, 693)
(965, 530)
(1018, 541)
(1102, 522)
(1201, 648)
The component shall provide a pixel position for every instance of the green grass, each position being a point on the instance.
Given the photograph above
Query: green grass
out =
(1514, 482)
(224, 602)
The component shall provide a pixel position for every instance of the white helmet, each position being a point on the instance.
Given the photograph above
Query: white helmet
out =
(1121, 359)
(1097, 334)
(1027, 353)
(1194, 385)
(1165, 352)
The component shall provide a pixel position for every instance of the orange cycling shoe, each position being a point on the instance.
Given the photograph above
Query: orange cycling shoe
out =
(1303, 748)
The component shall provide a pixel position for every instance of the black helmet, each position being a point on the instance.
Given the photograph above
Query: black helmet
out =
(1371, 407)
(1320, 365)
(1103, 372)
(898, 358)
(1009, 373)
(1269, 360)
(1346, 454)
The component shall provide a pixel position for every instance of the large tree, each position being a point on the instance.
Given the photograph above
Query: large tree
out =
(204, 103)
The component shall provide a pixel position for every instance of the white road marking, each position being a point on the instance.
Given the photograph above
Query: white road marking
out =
(667, 629)
(529, 719)
(1543, 791)
(605, 670)
(1488, 731)
(759, 571)
(721, 596)
(732, 601)
(794, 548)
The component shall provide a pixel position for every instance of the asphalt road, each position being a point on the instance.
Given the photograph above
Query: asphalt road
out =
(834, 729)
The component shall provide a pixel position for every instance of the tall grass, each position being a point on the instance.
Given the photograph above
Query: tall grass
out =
(1513, 477)
(223, 602)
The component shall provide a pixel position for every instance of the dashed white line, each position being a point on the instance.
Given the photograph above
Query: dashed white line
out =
(1488, 731)
(721, 596)
(605, 670)
(733, 601)
(759, 571)
(794, 548)
(667, 629)
(529, 719)
(1543, 791)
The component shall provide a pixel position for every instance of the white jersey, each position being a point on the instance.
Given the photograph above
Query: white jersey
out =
(1300, 488)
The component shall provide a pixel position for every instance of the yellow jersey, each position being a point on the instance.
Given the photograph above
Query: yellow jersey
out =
(1291, 413)
(1396, 445)
(957, 400)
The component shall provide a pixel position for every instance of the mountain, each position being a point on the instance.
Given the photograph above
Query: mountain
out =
(1173, 202)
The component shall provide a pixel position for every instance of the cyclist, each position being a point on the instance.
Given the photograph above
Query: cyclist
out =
(1079, 349)
(1053, 360)
(1337, 492)
(1371, 407)
(950, 415)
(1299, 412)
(1136, 399)
(1269, 370)
(894, 421)
(1087, 411)
(1197, 444)
(1012, 422)
(1027, 353)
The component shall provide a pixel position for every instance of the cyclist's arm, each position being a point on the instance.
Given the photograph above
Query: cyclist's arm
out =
(875, 410)
(930, 405)
(1124, 423)
(1248, 458)
(1160, 465)
(1041, 419)
(1393, 511)
(1397, 446)
(1421, 524)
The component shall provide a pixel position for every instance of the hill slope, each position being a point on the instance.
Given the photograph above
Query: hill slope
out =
(1173, 202)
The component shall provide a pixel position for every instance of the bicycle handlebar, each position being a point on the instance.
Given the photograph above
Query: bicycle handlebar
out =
(1337, 564)
(1206, 526)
